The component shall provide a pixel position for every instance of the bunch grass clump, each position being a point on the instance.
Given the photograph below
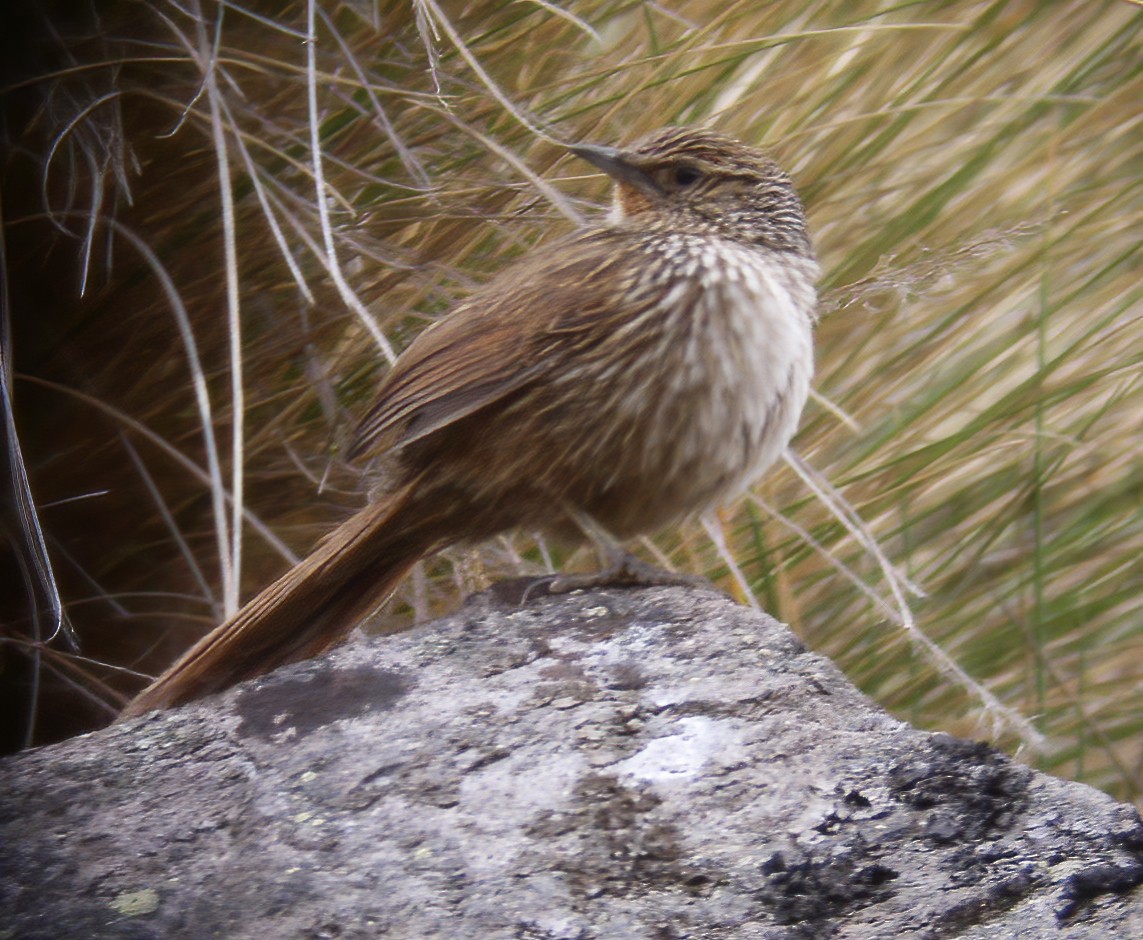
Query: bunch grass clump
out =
(223, 221)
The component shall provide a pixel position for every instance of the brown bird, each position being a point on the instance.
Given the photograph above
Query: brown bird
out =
(610, 384)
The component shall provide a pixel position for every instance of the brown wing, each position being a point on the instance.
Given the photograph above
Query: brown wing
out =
(497, 342)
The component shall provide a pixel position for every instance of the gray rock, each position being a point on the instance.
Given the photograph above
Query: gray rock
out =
(620, 764)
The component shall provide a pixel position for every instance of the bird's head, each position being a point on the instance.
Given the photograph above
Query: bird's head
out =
(689, 179)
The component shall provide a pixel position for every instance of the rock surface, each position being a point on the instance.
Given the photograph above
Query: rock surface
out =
(651, 763)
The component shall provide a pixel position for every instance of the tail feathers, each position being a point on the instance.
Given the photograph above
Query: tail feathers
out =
(311, 607)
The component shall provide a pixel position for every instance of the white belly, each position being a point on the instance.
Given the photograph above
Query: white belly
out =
(732, 397)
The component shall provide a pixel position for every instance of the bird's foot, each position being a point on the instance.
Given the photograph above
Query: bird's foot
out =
(627, 571)
(624, 571)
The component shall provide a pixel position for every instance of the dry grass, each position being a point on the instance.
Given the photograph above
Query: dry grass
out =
(972, 172)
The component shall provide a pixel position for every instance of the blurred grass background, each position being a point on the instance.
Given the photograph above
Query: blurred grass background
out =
(974, 182)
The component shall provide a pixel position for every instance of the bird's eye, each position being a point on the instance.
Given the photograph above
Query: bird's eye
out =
(685, 176)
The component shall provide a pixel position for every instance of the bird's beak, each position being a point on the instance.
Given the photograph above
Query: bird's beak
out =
(618, 165)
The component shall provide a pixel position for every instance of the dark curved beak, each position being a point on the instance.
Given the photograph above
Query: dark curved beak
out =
(616, 164)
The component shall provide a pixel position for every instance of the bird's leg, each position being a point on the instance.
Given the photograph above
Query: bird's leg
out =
(620, 567)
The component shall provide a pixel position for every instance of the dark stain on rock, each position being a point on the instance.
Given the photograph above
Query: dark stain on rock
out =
(642, 854)
(807, 885)
(316, 698)
(995, 898)
(1085, 886)
(968, 790)
(626, 676)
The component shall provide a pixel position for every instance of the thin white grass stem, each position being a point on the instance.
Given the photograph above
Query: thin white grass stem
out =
(347, 295)
(408, 158)
(841, 510)
(274, 201)
(553, 195)
(264, 198)
(436, 16)
(185, 462)
(84, 689)
(509, 546)
(34, 547)
(185, 110)
(77, 498)
(569, 16)
(150, 595)
(63, 553)
(305, 471)
(264, 20)
(208, 54)
(850, 575)
(657, 553)
(169, 522)
(198, 383)
(718, 539)
(902, 615)
(427, 30)
(62, 665)
(80, 116)
(998, 710)
(201, 395)
(835, 410)
(830, 32)
(545, 553)
(98, 190)
(111, 709)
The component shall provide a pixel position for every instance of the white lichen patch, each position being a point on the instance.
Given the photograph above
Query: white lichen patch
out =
(700, 742)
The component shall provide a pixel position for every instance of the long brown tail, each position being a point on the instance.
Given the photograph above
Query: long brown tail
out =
(313, 605)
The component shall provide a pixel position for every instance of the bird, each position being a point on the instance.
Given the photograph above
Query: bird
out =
(611, 383)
